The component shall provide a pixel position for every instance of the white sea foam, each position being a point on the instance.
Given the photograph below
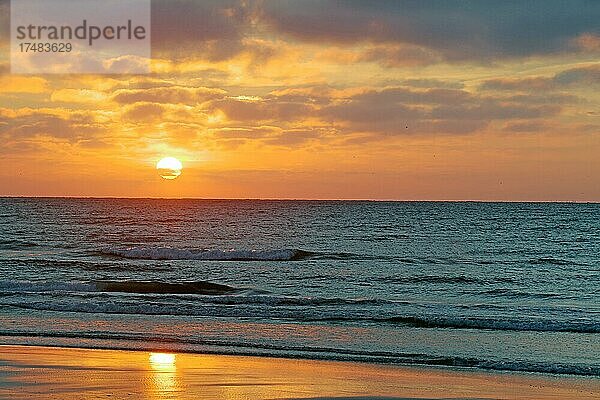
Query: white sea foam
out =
(170, 253)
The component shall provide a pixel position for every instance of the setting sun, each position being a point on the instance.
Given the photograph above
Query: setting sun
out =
(169, 168)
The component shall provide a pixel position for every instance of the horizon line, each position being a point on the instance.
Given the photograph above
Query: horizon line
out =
(299, 199)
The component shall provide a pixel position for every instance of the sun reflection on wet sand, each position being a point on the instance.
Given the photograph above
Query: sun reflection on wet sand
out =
(163, 376)
(162, 361)
(61, 373)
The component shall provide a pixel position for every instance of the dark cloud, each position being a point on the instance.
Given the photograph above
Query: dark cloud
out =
(401, 32)
(524, 84)
(587, 75)
(431, 83)
(390, 111)
(400, 56)
(73, 129)
(270, 135)
(295, 137)
(543, 98)
(261, 110)
(457, 29)
(398, 111)
(144, 112)
(526, 127)
(492, 110)
(404, 95)
(211, 29)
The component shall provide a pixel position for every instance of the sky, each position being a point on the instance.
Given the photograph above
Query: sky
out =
(402, 100)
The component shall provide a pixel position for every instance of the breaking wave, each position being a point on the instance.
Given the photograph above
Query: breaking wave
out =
(170, 253)
(201, 298)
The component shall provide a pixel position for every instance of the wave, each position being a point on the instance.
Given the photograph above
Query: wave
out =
(514, 293)
(135, 341)
(237, 305)
(212, 303)
(139, 287)
(16, 244)
(554, 261)
(459, 279)
(200, 287)
(83, 265)
(170, 253)
(385, 237)
(482, 323)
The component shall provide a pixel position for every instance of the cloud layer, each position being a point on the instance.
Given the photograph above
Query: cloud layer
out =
(312, 98)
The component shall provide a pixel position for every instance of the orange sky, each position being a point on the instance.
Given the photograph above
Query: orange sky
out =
(322, 100)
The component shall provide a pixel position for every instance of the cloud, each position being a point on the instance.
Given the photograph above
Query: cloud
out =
(589, 75)
(78, 96)
(126, 64)
(22, 84)
(168, 94)
(491, 109)
(245, 132)
(293, 138)
(527, 126)
(518, 84)
(401, 111)
(141, 112)
(588, 42)
(429, 96)
(35, 124)
(303, 114)
(431, 83)
(400, 56)
(212, 29)
(387, 55)
(261, 110)
(458, 30)
(580, 76)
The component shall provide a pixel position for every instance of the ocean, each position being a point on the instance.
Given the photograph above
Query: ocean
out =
(496, 286)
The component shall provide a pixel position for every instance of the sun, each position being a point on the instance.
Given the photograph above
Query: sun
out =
(169, 168)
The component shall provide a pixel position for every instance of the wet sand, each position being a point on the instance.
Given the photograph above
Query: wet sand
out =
(61, 373)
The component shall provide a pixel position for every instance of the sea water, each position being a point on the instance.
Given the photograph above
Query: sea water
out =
(503, 286)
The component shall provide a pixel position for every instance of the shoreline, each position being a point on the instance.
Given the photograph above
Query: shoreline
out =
(34, 371)
(269, 353)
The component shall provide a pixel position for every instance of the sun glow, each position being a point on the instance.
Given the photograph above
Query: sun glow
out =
(169, 168)
(163, 376)
(162, 360)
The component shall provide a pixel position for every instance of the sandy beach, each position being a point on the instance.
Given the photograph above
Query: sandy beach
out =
(60, 373)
